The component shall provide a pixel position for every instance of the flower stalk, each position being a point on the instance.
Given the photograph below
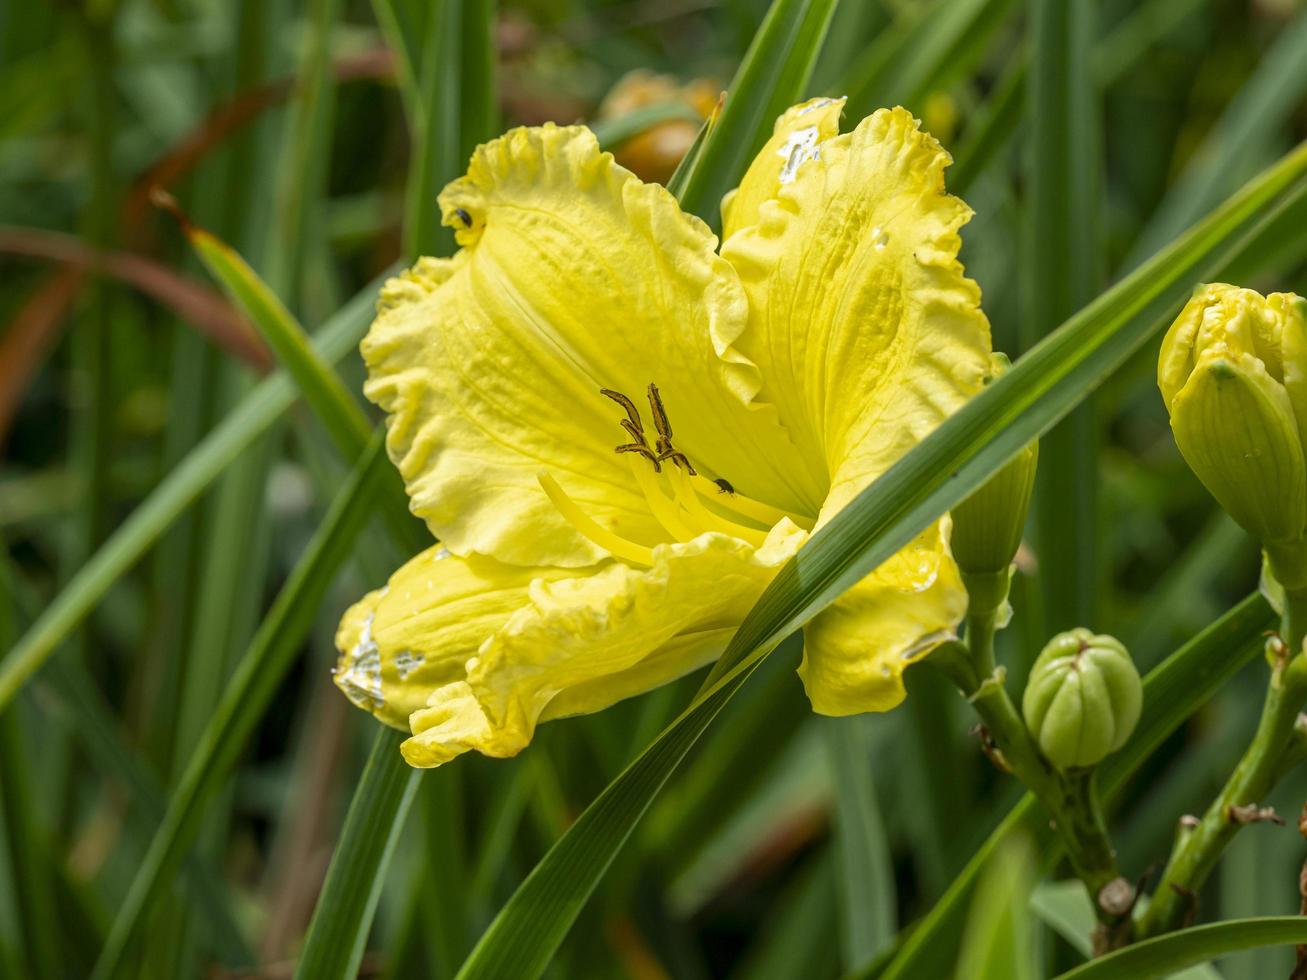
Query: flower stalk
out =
(1070, 797)
(1199, 846)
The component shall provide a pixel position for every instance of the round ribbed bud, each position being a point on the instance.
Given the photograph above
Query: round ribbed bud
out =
(987, 525)
(1083, 698)
(1233, 374)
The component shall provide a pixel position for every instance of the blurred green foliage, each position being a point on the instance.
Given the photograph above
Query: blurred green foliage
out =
(281, 127)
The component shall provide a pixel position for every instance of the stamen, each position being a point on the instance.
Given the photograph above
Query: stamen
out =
(666, 451)
(746, 506)
(643, 450)
(659, 413)
(687, 499)
(663, 509)
(614, 544)
(635, 428)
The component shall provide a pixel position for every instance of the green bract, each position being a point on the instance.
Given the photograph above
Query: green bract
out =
(1083, 698)
(987, 526)
(1233, 374)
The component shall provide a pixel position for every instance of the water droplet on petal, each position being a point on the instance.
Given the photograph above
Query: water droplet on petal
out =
(798, 149)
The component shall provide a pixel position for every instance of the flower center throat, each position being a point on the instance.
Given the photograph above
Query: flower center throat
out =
(684, 503)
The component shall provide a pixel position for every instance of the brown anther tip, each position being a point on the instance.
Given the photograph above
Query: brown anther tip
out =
(1117, 897)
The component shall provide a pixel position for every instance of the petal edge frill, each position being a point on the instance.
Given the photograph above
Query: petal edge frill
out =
(854, 286)
(582, 644)
(574, 276)
(401, 642)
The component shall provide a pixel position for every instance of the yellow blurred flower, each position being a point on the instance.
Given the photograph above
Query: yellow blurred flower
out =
(1233, 374)
(619, 433)
(654, 154)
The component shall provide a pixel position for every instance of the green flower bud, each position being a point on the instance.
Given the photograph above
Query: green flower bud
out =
(1083, 698)
(987, 525)
(1233, 374)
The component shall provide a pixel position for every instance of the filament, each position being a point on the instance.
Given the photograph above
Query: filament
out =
(745, 506)
(614, 544)
(686, 496)
(663, 508)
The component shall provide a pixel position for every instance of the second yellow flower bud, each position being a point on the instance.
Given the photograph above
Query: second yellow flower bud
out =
(1233, 374)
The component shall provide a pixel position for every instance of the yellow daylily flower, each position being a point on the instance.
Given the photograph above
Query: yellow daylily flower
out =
(619, 434)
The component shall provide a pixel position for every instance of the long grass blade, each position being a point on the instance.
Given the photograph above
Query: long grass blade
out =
(340, 413)
(270, 655)
(338, 934)
(1061, 279)
(102, 740)
(773, 75)
(318, 383)
(993, 125)
(253, 416)
(999, 943)
(928, 54)
(864, 869)
(1258, 110)
(1169, 954)
(612, 133)
(30, 857)
(302, 176)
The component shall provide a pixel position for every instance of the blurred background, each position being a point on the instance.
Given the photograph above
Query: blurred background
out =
(281, 127)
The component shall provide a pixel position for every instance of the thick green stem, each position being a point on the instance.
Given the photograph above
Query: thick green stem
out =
(1069, 797)
(1262, 765)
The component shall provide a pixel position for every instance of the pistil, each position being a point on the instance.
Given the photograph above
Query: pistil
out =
(614, 544)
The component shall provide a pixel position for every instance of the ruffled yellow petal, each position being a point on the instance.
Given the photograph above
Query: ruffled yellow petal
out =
(862, 323)
(574, 276)
(401, 642)
(581, 644)
(796, 140)
(855, 651)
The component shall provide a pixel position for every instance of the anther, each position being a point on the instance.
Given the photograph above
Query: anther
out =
(666, 451)
(659, 413)
(643, 450)
(633, 428)
(626, 403)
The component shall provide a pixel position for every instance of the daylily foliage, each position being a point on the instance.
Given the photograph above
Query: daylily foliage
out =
(618, 433)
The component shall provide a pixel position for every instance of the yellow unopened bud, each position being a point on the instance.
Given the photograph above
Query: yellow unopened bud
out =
(987, 526)
(1233, 374)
